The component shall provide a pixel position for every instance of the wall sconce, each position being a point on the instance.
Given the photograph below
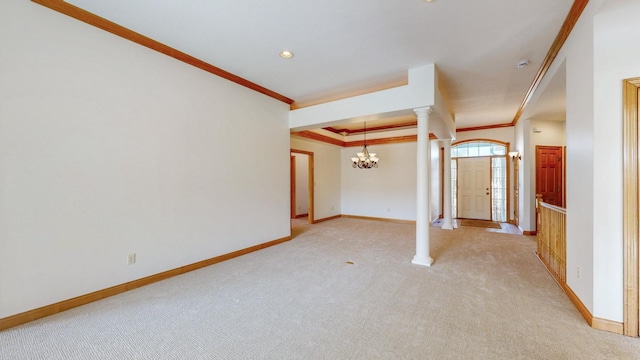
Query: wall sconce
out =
(514, 154)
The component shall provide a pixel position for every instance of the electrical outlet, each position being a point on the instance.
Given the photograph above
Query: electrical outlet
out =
(131, 259)
(578, 272)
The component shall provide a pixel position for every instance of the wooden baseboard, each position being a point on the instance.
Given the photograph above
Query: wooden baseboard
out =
(61, 306)
(608, 325)
(594, 322)
(301, 216)
(327, 219)
(398, 221)
(529, 232)
(586, 314)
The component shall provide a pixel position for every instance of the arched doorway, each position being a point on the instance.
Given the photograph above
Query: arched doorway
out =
(479, 180)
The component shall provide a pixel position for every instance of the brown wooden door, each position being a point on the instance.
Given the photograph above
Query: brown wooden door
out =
(549, 174)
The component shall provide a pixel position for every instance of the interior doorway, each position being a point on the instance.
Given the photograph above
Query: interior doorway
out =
(302, 162)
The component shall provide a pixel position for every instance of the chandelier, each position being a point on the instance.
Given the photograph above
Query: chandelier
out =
(364, 159)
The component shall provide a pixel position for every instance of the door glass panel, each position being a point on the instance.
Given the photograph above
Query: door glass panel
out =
(473, 149)
(454, 188)
(498, 149)
(463, 150)
(477, 148)
(499, 189)
(484, 149)
(454, 151)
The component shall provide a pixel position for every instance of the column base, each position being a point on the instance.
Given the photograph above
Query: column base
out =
(422, 261)
(448, 226)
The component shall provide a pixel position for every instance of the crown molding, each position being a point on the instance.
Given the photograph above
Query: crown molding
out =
(372, 129)
(382, 141)
(385, 141)
(109, 26)
(485, 127)
(571, 20)
(318, 137)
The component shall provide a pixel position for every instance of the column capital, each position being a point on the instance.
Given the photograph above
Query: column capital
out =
(423, 110)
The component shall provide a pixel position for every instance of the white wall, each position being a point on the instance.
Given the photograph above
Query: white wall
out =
(108, 148)
(551, 133)
(505, 134)
(578, 54)
(519, 146)
(616, 57)
(327, 168)
(388, 191)
(538, 133)
(527, 164)
(302, 183)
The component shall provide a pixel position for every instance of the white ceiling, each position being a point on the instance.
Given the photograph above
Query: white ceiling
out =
(346, 47)
(550, 102)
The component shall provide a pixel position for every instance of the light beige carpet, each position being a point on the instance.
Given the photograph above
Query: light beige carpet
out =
(485, 297)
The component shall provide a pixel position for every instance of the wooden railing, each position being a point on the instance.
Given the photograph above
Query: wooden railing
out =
(552, 244)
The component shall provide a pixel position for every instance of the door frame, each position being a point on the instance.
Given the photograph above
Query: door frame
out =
(630, 230)
(561, 186)
(507, 146)
(311, 181)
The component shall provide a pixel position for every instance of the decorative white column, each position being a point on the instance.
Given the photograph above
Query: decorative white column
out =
(446, 187)
(422, 212)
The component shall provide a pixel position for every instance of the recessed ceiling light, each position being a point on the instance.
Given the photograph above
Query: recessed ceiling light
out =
(523, 63)
(286, 54)
(429, 1)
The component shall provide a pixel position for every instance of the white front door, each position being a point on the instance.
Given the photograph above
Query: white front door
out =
(474, 188)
